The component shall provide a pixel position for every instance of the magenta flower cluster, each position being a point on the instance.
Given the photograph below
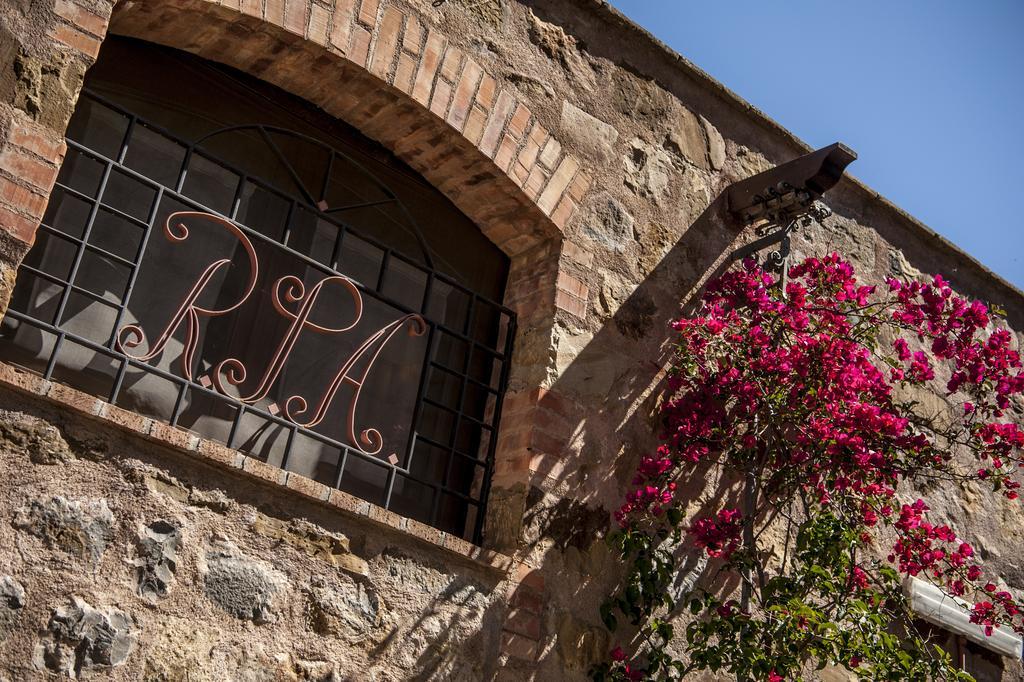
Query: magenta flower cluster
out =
(813, 385)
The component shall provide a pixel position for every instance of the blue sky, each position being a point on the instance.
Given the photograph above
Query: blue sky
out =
(930, 93)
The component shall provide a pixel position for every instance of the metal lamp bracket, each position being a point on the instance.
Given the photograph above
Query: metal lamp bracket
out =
(784, 198)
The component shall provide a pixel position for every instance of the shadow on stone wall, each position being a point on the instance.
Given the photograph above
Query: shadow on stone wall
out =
(618, 378)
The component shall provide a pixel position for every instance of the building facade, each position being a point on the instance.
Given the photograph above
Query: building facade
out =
(334, 329)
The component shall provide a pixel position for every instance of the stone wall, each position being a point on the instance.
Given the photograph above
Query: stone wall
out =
(595, 158)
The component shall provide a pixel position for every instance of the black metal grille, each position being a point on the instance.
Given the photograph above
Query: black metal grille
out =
(89, 267)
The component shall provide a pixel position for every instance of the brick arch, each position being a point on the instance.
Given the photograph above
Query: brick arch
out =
(400, 82)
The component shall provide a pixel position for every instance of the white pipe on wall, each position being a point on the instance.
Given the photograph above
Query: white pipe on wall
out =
(935, 606)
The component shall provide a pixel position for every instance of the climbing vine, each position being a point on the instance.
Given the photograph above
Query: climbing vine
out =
(809, 403)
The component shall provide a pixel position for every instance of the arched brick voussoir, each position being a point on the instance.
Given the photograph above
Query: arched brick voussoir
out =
(400, 82)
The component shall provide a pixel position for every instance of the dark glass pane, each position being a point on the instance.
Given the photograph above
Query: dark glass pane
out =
(116, 234)
(436, 423)
(154, 155)
(412, 498)
(210, 416)
(98, 127)
(81, 172)
(456, 516)
(405, 283)
(428, 462)
(360, 260)
(263, 210)
(148, 394)
(129, 195)
(52, 255)
(464, 473)
(37, 297)
(445, 388)
(312, 236)
(451, 351)
(210, 183)
(364, 478)
(88, 318)
(67, 213)
(82, 368)
(103, 276)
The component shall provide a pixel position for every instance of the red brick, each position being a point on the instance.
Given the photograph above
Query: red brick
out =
(535, 183)
(496, 123)
(519, 173)
(319, 22)
(77, 40)
(348, 503)
(556, 402)
(222, 454)
(511, 470)
(552, 423)
(424, 532)
(523, 623)
(360, 45)
(464, 94)
(428, 67)
(125, 419)
(577, 254)
(546, 444)
(439, 101)
(552, 150)
(261, 470)
(308, 487)
(517, 126)
(489, 557)
(18, 226)
(368, 12)
(525, 599)
(509, 440)
(341, 25)
(450, 65)
(74, 399)
(387, 42)
(274, 12)
(563, 212)
(38, 139)
(518, 646)
(475, 125)
(23, 381)
(412, 41)
(528, 155)
(253, 8)
(506, 152)
(571, 304)
(173, 436)
(295, 16)
(485, 95)
(530, 577)
(404, 73)
(388, 518)
(458, 545)
(86, 20)
(39, 174)
(560, 179)
(21, 198)
(579, 186)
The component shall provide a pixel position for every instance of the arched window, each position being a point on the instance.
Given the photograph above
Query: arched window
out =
(229, 259)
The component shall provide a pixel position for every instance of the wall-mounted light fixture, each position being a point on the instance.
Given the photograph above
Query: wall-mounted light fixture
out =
(785, 197)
